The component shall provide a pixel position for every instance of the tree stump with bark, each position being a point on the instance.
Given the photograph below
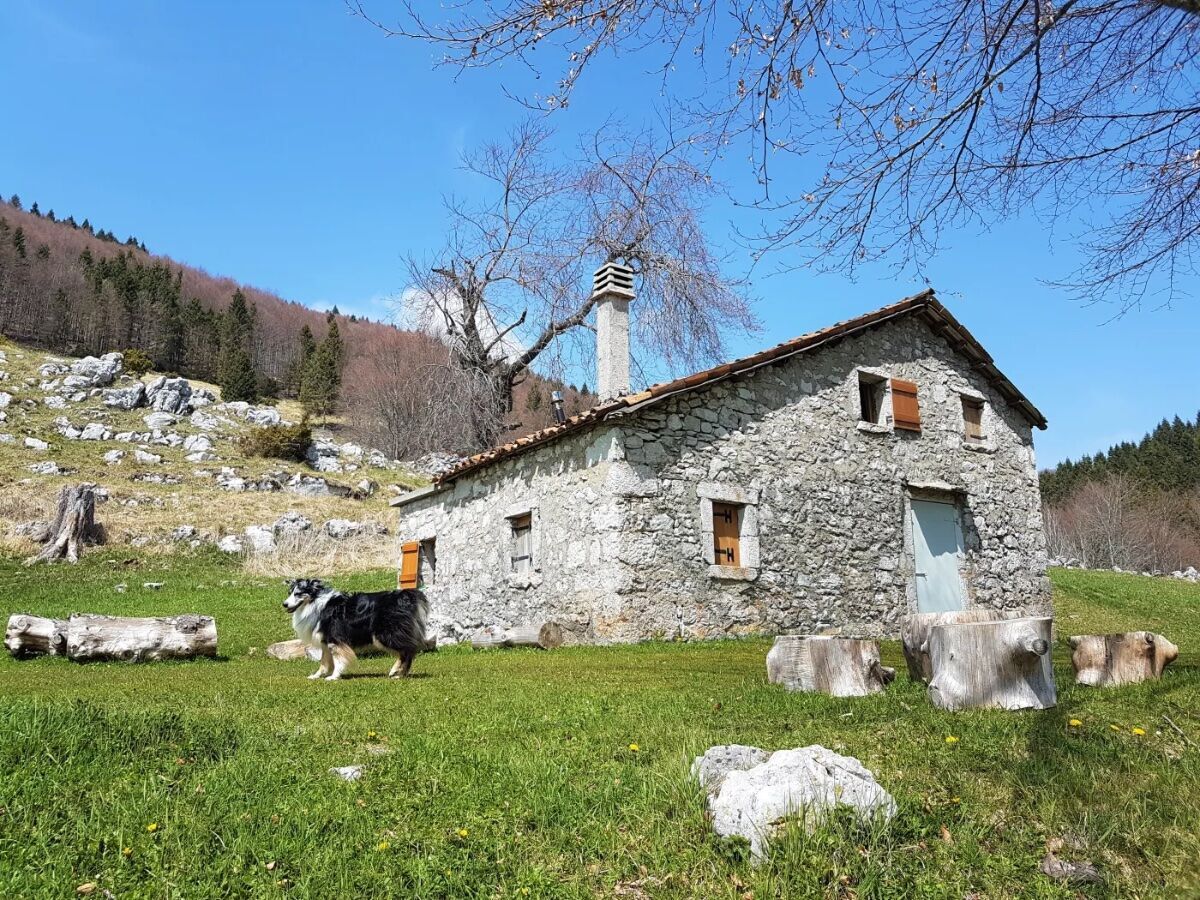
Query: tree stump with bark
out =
(546, 636)
(915, 628)
(35, 636)
(840, 667)
(1103, 660)
(1001, 664)
(73, 528)
(91, 637)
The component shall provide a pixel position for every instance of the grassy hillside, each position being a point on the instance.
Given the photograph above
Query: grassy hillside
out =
(514, 773)
(138, 510)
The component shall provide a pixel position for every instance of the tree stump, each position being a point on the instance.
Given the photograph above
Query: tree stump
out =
(915, 628)
(546, 636)
(74, 526)
(28, 636)
(1001, 664)
(1101, 660)
(92, 637)
(840, 667)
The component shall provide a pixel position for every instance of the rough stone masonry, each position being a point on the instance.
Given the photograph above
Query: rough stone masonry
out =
(621, 530)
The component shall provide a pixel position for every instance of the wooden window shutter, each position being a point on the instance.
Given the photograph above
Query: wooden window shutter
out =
(906, 412)
(727, 534)
(410, 555)
(973, 419)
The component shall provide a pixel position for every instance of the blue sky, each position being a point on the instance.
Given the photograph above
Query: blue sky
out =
(295, 148)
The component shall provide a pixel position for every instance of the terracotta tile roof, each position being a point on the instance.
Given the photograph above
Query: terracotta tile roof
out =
(925, 304)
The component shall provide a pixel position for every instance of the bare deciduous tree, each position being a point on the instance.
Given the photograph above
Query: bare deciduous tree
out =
(925, 116)
(513, 283)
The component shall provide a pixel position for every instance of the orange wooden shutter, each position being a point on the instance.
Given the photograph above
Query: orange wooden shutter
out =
(726, 534)
(410, 555)
(906, 412)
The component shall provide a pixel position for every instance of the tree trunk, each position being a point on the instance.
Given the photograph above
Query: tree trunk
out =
(92, 637)
(840, 667)
(915, 628)
(34, 636)
(546, 636)
(1001, 664)
(73, 527)
(1101, 660)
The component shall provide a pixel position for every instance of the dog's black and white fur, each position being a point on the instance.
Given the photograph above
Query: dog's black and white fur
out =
(338, 624)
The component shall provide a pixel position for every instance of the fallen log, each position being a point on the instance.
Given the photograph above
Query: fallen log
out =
(840, 667)
(28, 636)
(1103, 660)
(91, 637)
(1001, 664)
(546, 636)
(74, 526)
(915, 628)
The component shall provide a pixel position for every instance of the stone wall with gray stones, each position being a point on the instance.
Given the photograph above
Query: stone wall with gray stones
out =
(623, 517)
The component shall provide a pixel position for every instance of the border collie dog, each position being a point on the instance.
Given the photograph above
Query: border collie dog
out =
(338, 624)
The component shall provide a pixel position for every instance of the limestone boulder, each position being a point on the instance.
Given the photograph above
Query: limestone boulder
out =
(340, 529)
(95, 372)
(113, 457)
(260, 538)
(131, 397)
(170, 395)
(291, 522)
(231, 543)
(159, 420)
(806, 783)
(96, 432)
(5, 399)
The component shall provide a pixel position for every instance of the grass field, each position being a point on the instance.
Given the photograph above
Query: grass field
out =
(511, 774)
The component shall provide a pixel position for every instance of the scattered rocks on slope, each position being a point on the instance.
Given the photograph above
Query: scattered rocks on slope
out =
(93, 372)
(291, 522)
(95, 431)
(311, 486)
(131, 397)
(48, 467)
(340, 529)
(170, 395)
(751, 798)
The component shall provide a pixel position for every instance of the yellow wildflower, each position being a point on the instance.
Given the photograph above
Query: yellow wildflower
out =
(634, 747)
(951, 739)
(955, 800)
(127, 851)
(1075, 723)
(371, 735)
(462, 833)
(1138, 731)
(152, 827)
(382, 845)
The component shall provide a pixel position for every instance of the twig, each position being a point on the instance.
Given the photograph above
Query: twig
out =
(1187, 740)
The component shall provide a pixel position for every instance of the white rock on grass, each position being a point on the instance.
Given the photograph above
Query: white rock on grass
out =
(753, 799)
(291, 522)
(262, 416)
(339, 529)
(172, 395)
(95, 431)
(7, 439)
(347, 773)
(201, 456)
(93, 372)
(46, 468)
(144, 456)
(112, 457)
(204, 421)
(35, 444)
(183, 533)
(231, 543)
(197, 443)
(202, 397)
(158, 420)
(5, 399)
(127, 397)
(53, 402)
(260, 538)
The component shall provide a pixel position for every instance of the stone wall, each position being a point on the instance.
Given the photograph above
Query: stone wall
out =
(624, 529)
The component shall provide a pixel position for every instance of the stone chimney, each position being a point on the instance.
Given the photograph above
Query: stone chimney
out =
(612, 289)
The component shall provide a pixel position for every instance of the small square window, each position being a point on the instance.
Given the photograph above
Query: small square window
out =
(727, 534)
(427, 563)
(871, 391)
(522, 542)
(972, 420)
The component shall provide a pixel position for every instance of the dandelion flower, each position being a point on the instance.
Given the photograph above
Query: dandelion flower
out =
(1138, 731)
(152, 827)
(382, 845)
(956, 800)
(634, 748)
(951, 739)
(371, 735)
(127, 851)
(462, 833)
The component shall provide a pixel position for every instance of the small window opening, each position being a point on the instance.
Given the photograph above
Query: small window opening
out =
(972, 420)
(427, 565)
(522, 542)
(727, 531)
(871, 391)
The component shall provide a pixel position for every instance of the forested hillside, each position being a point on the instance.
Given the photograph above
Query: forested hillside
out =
(73, 287)
(1135, 505)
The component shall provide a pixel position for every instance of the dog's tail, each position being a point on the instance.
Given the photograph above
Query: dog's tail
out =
(421, 620)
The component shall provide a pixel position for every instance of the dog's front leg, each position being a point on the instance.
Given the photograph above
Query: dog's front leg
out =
(326, 665)
(342, 657)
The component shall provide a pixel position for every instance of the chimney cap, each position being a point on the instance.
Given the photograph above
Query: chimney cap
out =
(613, 279)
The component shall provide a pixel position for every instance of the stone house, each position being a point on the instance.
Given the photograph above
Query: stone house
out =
(843, 479)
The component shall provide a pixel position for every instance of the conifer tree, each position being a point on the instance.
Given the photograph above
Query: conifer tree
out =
(15, 202)
(235, 368)
(18, 241)
(34, 209)
(305, 349)
(534, 400)
(323, 374)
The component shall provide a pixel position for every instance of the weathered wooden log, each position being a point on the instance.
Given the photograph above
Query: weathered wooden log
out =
(915, 628)
(28, 635)
(74, 526)
(1001, 664)
(546, 636)
(92, 637)
(840, 667)
(1101, 660)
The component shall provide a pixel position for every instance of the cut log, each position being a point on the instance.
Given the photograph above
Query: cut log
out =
(915, 628)
(1001, 664)
(546, 636)
(1101, 660)
(74, 526)
(92, 638)
(840, 667)
(28, 636)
